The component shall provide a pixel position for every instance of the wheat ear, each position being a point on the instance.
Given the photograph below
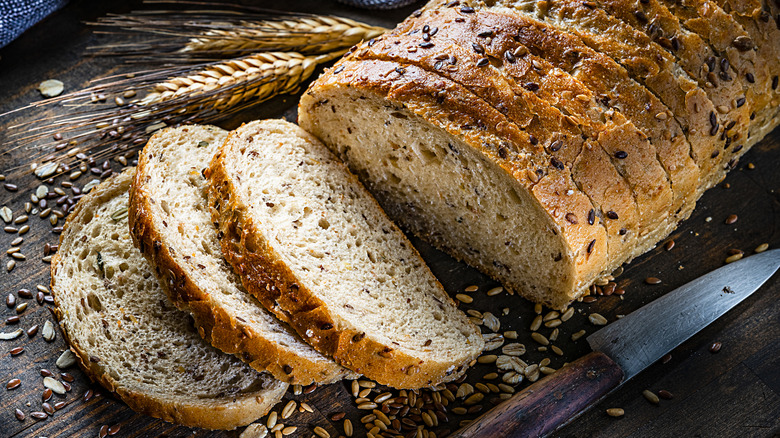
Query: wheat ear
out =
(303, 34)
(257, 77)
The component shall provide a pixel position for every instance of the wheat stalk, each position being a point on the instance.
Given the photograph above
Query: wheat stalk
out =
(180, 37)
(203, 94)
(303, 34)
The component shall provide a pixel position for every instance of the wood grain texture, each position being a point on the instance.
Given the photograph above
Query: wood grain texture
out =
(735, 392)
(549, 402)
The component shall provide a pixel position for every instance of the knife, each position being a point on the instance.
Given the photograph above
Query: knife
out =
(623, 349)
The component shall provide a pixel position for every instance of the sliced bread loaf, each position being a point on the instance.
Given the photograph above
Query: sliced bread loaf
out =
(171, 223)
(129, 338)
(313, 246)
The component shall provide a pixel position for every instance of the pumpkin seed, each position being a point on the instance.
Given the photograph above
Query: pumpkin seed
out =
(51, 88)
(48, 331)
(597, 319)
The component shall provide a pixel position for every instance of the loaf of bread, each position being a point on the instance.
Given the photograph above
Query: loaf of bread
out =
(548, 142)
(171, 224)
(314, 247)
(129, 338)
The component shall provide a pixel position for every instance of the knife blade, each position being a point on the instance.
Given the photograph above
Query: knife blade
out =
(623, 349)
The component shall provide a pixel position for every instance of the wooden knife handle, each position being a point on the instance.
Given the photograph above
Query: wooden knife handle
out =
(549, 403)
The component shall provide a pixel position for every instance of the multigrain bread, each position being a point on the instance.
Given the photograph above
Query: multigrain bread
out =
(313, 246)
(171, 224)
(129, 338)
(428, 160)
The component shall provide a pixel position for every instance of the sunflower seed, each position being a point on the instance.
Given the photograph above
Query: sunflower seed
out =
(488, 358)
(320, 432)
(66, 359)
(54, 385)
(474, 399)
(11, 335)
(464, 298)
(597, 319)
(567, 314)
(539, 338)
(556, 350)
(348, 430)
(578, 335)
(48, 331)
(537, 323)
(495, 291)
(615, 412)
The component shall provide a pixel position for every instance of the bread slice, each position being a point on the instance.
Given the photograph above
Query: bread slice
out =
(129, 338)
(171, 224)
(313, 246)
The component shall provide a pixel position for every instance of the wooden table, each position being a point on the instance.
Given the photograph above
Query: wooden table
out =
(735, 392)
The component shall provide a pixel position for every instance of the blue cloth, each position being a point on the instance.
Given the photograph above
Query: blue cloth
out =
(16, 16)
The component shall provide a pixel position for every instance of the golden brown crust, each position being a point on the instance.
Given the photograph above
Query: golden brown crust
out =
(216, 325)
(448, 106)
(241, 410)
(522, 100)
(271, 281)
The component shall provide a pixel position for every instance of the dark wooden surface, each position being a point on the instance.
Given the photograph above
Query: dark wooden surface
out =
(735, 392)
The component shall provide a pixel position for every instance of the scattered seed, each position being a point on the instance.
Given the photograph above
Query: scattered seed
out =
(54, 385)
(514, 349)
(464, 298)
(512, 334)
(597, 319)
(320, 432)
(13, 384)
(652, 280)
(715, 347)
(20, 415)
(367, 406)
(615, 412)
(488, 358)
(556, 350)
(733, 258)
(11, 335)
(288, 409)
(16, 351)
(348, 431)
(576, 336)
(495, 291)
(491, 321)
(650, 396)
(539, 338)
(536, 323)
(761, 248)
(666, 395)
(51, 88)
(47, 394)
(567, 314)
(48, 331)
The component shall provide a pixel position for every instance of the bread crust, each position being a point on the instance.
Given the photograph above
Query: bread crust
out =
(422, 94)
(232, 413)
(268, 278)
(215, 324)
(587, 158)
